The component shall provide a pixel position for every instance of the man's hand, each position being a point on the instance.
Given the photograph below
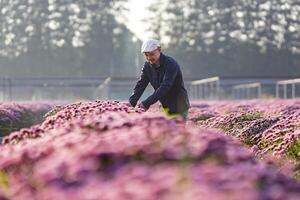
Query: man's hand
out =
(128, 104)
(141, 105)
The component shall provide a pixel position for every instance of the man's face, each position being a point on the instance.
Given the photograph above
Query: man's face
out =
(152, 56)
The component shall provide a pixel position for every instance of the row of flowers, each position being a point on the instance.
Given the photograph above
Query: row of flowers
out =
(14, 116)
(270, 128)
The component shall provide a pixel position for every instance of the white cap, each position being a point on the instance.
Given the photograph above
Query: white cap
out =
(149, 45)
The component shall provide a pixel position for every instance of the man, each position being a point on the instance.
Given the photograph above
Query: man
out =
(165, 76)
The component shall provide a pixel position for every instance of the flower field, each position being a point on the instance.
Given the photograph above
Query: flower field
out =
(107, 150)
(14, 116)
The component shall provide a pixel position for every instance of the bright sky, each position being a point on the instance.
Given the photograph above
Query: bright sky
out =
(137, 10)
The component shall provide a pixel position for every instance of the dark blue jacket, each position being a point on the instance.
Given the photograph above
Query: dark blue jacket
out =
(167, 81)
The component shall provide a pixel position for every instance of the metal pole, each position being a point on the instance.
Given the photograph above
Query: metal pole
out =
(194, 88)
(191, 91)
(197, 92)
(194, 92)
(234, 94)
(204, 91)
(247, 93)
(218, 90)
(240, 93)
(277, 91)
(9, 89)
(285, 91)
(259, 92)
(293, 91)
(4, 89)
(211, 93)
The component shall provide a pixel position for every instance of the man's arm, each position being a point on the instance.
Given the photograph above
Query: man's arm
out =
(139, 88)
(170, 75)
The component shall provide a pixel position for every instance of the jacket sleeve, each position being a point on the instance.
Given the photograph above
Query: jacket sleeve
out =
(139, 87)
(168, 80)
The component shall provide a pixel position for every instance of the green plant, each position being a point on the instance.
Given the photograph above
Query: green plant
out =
(294, 150)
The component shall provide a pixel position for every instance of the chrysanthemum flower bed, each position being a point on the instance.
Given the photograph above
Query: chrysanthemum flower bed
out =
(106, 150)
(269, 127)
(14, 116)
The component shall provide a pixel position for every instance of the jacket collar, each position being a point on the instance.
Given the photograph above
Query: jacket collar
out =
(162, 59)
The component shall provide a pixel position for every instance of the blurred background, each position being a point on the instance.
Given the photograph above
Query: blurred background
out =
(90, 49)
